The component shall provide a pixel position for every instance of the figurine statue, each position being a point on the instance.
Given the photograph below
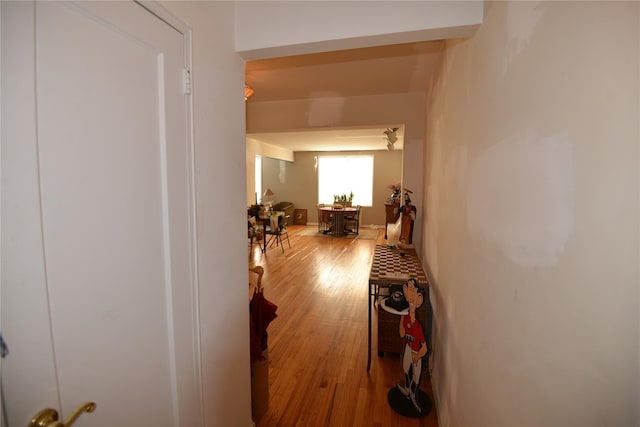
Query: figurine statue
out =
(408, 217)
(406, 397)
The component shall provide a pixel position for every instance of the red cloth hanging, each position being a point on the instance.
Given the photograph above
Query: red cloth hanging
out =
(261, 313)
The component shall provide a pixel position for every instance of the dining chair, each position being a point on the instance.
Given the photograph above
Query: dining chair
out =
(352, 221)
(279, 232)
(252, 232)
(324, 219)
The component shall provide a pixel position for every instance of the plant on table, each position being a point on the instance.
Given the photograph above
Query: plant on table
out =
(338, 198)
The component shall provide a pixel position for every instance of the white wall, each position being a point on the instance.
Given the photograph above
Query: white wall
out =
(218, 96)
(531, 233)
(257, 148)
(282, 28)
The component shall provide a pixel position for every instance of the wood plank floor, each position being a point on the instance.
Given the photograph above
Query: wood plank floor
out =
(318, 342)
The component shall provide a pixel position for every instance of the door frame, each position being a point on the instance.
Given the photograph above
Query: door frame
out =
(20, 87)
(164, 15)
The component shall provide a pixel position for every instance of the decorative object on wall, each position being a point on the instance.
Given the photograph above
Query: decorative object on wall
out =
(4, 349)
(300, 217)
(406, 398)
(248, 92)
(391, 137)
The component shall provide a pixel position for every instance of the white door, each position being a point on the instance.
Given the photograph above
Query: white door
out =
(99, 298)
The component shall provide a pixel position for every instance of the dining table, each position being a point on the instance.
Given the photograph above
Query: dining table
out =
(337, 216)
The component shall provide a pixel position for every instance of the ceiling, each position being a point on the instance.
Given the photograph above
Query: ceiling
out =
(389, 69)
(334, 139)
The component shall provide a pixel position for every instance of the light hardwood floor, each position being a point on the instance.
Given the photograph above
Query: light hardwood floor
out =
(318, 342)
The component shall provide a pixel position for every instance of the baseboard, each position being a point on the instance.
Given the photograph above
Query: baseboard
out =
(436, 402)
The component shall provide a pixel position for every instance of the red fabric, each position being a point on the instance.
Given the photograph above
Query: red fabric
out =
(262, 312)
(255, 344)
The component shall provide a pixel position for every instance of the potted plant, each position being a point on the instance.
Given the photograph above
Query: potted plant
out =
(343, 199)
(396, 194)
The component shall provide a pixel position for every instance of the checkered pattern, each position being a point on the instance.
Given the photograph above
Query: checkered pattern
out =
(388, 261)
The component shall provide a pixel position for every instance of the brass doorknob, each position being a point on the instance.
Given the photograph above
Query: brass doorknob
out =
(49, 417)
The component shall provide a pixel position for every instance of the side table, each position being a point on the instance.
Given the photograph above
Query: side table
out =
(392, 265)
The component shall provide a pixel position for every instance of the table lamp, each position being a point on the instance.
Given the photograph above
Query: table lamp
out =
(267, 193)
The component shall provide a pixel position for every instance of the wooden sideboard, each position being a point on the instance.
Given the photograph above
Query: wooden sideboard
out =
(392, 213)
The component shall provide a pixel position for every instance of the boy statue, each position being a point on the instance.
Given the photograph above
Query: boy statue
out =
(406, 397)
(408, 217)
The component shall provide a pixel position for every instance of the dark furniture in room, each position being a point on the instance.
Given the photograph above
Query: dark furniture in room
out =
(352, 221)
(278, 233)
(336, 218)
(393, 265)
(324, 218)
(287, 208)
(300, 217)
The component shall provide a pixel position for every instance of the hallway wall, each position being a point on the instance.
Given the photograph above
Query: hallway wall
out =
(531, 229)
(218, 115)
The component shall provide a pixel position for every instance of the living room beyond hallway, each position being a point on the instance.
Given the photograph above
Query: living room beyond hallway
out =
(317, 346)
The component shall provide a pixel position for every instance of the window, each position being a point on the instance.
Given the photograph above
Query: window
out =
(258, 177)
(344, 175)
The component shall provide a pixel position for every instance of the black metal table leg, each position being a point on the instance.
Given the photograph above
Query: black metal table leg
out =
(369, 338)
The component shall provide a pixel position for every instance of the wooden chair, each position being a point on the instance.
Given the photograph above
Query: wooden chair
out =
(352, 221)
(257, 286)
(278, 233)
(252, 232)
(324, 219)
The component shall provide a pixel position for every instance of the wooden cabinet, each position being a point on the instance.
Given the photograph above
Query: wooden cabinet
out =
(389, 340)
(392, 213)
